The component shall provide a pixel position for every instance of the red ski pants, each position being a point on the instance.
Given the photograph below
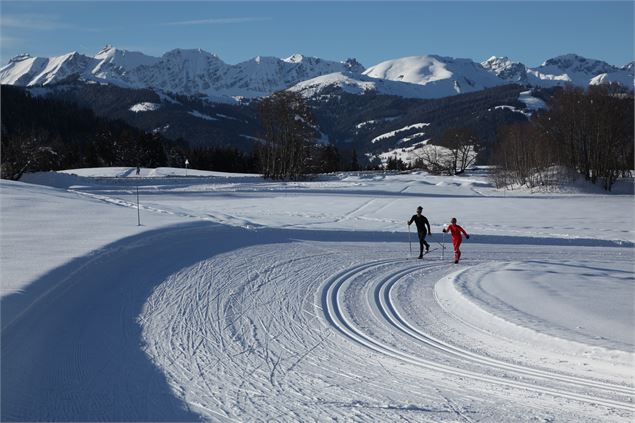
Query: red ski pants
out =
(456, 242)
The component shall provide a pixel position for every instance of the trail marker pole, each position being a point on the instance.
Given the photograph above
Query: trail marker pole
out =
(138, 212)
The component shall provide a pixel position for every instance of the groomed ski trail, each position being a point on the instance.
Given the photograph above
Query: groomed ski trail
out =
(326, 330)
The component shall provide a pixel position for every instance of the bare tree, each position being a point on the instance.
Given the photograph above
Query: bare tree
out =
(457, 151)
(433, 159)
(289, 132)
(590, 133)
(27, 152)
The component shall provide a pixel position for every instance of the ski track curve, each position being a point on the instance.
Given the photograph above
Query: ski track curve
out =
(332, 303)
(301, 330)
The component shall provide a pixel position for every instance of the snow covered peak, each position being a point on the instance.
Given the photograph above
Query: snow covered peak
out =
(194, 54)
(353, 65)
(264, 60)
(350, 64)
(450, 76)
(295, 58)
(497, 64)
(413, 69)
(561, 70)
(183, 71)
(625, 77)
(43, 71)
(577, 70)
(494, 61)
(114, 62)
(506, 69)
(22, 69)
(264, 75)
(190, 60)
(578, 64)
(20, 58)
(105, 52)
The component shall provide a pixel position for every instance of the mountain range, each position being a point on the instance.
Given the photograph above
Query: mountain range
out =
(195, 72)
(194, 96)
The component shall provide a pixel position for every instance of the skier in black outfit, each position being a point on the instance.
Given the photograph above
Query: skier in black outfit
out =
(422, 223)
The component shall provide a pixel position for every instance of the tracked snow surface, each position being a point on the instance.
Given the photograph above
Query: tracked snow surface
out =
(239, 299)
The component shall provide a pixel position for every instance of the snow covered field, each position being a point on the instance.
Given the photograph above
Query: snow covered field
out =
(239, 299)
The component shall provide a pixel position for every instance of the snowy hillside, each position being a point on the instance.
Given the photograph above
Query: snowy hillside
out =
(360, 84)
(400, 132)
(239, 299)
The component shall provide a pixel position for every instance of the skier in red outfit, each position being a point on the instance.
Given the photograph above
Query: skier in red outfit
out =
(456, 230)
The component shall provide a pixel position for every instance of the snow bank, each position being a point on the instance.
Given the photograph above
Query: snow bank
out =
(391, 134)
(531, 102)
(144, 107)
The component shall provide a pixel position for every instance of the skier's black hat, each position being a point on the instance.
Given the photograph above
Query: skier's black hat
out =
(419, 208)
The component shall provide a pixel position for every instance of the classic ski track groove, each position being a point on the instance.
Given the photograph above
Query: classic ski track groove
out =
(331, 295)
(391, 313)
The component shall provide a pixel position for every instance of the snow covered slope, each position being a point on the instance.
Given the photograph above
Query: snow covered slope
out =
(27, 70)
(240, 299)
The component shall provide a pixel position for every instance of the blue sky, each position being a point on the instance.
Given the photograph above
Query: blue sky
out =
(529, 32)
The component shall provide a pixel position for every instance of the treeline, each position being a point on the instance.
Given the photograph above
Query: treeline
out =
(42, 134)
(223, 159)
(587, 132)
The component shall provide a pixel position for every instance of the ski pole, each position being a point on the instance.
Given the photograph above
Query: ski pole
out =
(437, 242)
(409, 241)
